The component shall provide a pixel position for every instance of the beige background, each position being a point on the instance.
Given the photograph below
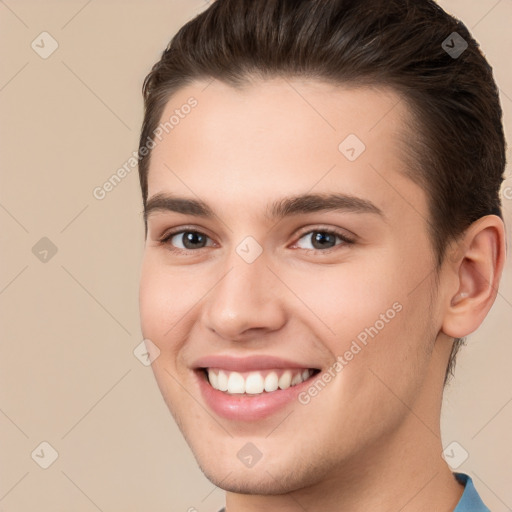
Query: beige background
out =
(69, 325)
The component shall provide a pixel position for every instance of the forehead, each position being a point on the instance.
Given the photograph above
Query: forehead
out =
(283, 136)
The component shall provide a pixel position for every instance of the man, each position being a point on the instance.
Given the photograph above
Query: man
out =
(323, 228)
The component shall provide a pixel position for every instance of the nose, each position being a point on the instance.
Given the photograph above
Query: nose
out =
(244, 303)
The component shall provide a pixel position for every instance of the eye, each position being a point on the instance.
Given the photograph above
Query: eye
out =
(186, 240)
(322, 239)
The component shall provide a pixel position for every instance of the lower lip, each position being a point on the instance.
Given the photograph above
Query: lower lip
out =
(246, 407)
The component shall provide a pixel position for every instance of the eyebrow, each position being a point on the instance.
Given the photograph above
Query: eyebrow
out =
(284, 207)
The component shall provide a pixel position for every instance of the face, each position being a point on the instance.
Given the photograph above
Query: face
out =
(287, 281)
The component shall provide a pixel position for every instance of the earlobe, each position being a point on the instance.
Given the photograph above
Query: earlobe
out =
(478, 269)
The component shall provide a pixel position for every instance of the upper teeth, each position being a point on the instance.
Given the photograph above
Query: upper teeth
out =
(255, 383)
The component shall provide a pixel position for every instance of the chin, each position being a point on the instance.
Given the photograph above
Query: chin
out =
(256, 481)
(266, 477)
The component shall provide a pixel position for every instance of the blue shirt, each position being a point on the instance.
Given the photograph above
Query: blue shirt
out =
(470, 501)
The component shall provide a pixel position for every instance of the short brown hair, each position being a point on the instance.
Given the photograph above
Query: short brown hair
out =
(457, 147)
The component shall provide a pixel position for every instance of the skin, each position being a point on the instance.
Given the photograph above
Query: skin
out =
(371, 438)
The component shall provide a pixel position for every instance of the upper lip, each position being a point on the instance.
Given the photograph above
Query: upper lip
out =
(246, 364)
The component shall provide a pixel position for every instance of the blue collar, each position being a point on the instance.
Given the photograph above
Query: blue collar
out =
(470, 501)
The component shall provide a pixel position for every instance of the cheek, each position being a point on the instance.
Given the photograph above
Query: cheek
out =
(369, 317)
(163, 314)
(346, 300)
(167, 297)
(153, 301)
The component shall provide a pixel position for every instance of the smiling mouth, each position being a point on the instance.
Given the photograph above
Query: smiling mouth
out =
(256, 382)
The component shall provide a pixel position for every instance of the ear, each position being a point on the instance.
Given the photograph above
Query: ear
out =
(477, 265)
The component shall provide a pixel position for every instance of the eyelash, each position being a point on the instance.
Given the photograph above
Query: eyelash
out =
(165, 239)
